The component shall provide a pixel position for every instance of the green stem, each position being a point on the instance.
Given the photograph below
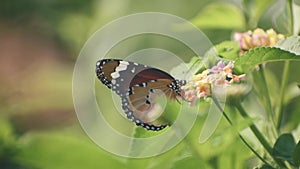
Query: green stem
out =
(290, 6)
(268, 100)
(282, 92)
(285, 71)
(258, 134)
(241, 137)
(254, 129)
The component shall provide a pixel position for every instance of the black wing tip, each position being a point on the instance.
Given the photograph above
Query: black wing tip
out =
(101, 62)
(99, 72)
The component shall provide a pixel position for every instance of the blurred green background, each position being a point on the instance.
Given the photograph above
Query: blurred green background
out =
(39, 43)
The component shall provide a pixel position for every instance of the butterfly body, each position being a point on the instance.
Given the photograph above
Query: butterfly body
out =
(138, 86)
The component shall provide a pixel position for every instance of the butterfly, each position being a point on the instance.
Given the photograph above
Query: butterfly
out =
(138, 85)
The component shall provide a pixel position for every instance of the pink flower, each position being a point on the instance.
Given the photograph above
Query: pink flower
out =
(200, 86)
(190, 96)
(218, 68)
(257, 38)
(238, 78)
(203, 90)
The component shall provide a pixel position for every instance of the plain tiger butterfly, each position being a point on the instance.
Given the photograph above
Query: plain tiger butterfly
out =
(137, 85)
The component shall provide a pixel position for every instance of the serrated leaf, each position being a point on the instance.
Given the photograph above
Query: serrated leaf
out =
(263, 54)
(296, 155)
(284, 148)
(291, 44)
(228, 50)
(220, 16)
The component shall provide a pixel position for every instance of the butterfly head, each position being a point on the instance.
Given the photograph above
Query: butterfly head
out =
(176, 86)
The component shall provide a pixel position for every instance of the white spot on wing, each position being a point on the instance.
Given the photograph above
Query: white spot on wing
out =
(124, 63)
(121, 67)
(115, 75)
(98, 63)
(133, 70)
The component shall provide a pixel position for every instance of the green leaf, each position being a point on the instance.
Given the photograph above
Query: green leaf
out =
(255, 8)
(164, 160)
(243, 124)
(296, 155)
(168, 117)
(284, 148)
(292, 92)
(9, 148)
(228, 50)
(137, 147)
(297, 2)
(291, 44)
(190, 163)
(6, 132)
(266, 167)
(278, 17)
(261, 6)
(263, 54)
(221, 16)
(193, 66)
(60, 151)
(141, 132)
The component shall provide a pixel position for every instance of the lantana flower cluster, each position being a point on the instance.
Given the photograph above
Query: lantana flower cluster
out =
(257, 38)
(201, 84)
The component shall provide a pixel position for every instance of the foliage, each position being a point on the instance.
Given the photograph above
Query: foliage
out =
(38, 126)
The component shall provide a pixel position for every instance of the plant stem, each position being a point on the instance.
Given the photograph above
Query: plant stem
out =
(254, 129)
(282, 92)
(285, 70)
(290, 6)
(241, 137)
(268, 100)
(257, 133)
